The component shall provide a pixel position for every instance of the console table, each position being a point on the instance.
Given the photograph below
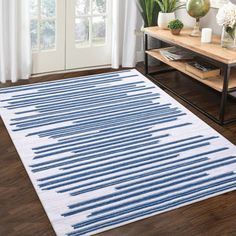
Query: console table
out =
(225, 59)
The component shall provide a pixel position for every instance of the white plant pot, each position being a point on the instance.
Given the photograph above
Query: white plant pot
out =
(164, 19)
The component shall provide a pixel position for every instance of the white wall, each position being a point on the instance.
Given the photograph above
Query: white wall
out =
(208, 21)
(139, 43)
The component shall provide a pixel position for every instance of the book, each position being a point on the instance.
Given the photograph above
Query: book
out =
(202, 69)
(176, 54)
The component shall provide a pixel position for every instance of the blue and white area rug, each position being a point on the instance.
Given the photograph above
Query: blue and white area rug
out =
(107, 150)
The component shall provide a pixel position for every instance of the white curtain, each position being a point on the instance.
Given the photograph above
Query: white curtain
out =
(124, 38)
(15, 46)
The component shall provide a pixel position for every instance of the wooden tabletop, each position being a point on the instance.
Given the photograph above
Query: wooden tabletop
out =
(212, 50)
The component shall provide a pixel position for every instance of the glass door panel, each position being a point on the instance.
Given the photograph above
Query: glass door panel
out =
(88, 33)
(48, 35)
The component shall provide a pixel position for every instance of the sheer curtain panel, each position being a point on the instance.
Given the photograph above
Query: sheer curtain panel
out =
(15, 45)
(124, 33)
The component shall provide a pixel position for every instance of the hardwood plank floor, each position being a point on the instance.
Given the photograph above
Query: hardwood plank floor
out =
(21, 213)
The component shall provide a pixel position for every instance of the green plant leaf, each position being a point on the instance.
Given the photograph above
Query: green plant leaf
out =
(161, 5)
(149, 10)
(165, 3)
(179, 6)
(167, 6)
(173, 5)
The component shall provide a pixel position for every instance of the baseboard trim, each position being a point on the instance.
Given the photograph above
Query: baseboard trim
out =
(69, 71)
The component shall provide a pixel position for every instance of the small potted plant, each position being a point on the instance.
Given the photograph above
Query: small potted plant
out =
(167, 13)
(175, 26)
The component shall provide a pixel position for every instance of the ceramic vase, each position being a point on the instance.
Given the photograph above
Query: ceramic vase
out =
(164, 19)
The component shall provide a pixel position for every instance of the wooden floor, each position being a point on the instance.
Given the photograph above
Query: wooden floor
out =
(21, 213)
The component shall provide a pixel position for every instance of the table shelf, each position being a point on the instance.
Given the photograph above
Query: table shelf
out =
(214, 82)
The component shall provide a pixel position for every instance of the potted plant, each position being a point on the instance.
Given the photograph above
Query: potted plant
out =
(175, 26)
(167, 13)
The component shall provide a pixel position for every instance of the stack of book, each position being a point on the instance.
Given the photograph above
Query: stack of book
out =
(202, 69)
(176, 54)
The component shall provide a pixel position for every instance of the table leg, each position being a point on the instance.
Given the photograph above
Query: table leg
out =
(224, 94)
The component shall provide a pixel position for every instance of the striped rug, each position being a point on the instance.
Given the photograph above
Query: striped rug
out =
(106, 150)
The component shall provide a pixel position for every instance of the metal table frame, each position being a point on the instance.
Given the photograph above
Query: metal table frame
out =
(226, 68)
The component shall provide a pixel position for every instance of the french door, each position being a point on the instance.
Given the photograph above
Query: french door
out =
(70, 34)
(88, 28)
(47, 35)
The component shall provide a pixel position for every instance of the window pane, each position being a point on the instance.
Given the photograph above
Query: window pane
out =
(99, 30)
(82, 32)
(33, 8)
(99, 6)
(82, 7)
(34, 34)
(48, 8)
(47, 35)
